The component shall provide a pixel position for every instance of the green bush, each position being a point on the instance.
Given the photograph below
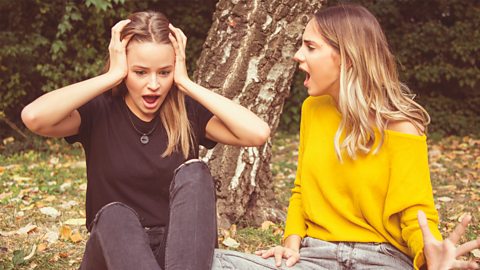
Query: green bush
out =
(451, 116)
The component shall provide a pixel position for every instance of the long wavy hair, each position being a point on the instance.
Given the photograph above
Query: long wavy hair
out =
(152, 26)
(371, 94)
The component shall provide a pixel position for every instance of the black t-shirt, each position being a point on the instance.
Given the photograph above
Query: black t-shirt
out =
(121, 168)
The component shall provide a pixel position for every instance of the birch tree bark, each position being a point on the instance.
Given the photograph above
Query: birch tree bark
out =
(247, 57)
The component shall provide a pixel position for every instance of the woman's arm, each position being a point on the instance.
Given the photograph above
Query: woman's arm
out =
(55, 114)
(232, 123)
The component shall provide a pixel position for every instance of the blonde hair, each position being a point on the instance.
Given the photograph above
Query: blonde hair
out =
(369, 83)
(150, 26)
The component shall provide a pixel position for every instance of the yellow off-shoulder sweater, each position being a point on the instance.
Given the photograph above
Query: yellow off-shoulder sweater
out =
(374, 198)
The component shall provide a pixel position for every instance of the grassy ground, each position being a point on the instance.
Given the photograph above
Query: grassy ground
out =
(42, 196)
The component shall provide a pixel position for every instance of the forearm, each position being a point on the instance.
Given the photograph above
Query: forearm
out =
(241, 122)
(52, 107)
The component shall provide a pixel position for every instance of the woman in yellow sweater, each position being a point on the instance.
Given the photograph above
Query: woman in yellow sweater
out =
(363, 172)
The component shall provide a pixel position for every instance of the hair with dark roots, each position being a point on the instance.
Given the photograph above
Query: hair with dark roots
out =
(152, 26)
(369, 82)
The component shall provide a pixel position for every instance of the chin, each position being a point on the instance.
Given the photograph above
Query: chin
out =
(311, 92)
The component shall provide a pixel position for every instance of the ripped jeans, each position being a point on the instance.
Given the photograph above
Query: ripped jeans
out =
(118, 240)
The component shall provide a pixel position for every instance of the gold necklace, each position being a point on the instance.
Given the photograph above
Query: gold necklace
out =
(144, 139)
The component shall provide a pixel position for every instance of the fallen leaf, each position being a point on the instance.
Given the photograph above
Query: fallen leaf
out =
(51, 236)
(5, 195)
(445, 199)
(79, 164)
(267, 224)
(462, 216)
(83, 187)
(54, 258)
(50, 211)
(20, 178)
(447, 187)
(8, 140)
(54, 160)
(68, 205)
(65, 232)
(26, 229)
(230, 242)
(50, 198)
(63, 254)
(65, 186)
(476, 253)
(30, 207)
(18, 256)
(41, 247)
(75, 222)
(6, 234)
(225, 233)
(76, 237)
(29, 256)
(39, 204)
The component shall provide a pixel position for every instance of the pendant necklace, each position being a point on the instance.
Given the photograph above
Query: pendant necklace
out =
(144, 139)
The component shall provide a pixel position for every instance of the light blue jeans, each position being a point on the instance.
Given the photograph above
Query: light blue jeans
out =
(318, 255)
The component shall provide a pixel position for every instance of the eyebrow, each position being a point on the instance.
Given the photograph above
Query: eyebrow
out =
(140, 66)
(309, 41)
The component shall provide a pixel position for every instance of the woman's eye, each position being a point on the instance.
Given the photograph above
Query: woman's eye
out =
(140, 72)
(164, 72)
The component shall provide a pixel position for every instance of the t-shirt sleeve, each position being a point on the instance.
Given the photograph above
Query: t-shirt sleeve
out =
(202, 116)
(86, 115)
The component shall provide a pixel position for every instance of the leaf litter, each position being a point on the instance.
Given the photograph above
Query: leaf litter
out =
(51, 180)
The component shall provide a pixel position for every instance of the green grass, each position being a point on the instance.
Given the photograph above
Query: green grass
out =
(54, 175)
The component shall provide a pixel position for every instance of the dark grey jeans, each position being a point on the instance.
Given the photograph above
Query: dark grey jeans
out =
(118, 240)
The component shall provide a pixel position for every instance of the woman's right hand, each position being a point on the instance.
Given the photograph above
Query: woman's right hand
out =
(279, 252)
(118, 51)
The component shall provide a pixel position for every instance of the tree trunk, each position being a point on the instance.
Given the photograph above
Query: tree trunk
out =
(247, 57)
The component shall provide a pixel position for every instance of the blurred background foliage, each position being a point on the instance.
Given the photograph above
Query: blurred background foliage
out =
(48, 44)
(437, 45)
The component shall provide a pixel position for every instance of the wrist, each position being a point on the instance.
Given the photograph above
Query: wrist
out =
(293, 242)
(184, 84)
(113, 77)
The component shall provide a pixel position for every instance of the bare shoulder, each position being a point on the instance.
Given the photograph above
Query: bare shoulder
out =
(404, 126)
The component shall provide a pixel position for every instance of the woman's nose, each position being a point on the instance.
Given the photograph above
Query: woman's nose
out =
(298, 57)
(153, 82)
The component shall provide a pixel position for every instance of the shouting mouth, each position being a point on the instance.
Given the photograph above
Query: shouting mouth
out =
(150, 101)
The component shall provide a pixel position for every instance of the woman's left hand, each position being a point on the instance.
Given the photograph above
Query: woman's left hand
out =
(179, 42)
(442, 255)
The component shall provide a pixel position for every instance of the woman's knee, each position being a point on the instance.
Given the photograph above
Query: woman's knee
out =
(115, 213)
(192, 174)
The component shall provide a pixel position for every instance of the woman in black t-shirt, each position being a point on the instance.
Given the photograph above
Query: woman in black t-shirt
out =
(147, 206)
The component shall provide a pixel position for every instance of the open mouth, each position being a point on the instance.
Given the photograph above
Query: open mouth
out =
(150, 99)
(307, 78)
